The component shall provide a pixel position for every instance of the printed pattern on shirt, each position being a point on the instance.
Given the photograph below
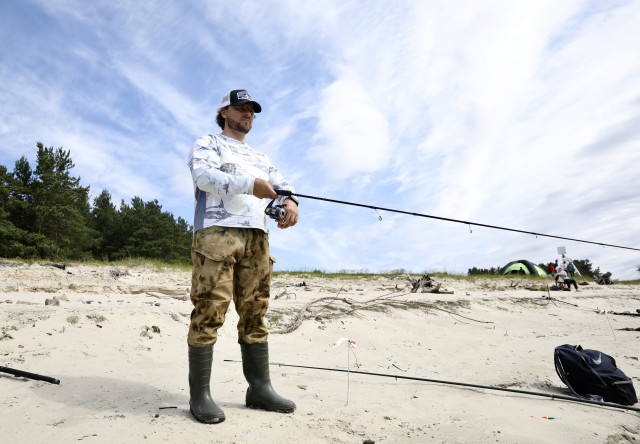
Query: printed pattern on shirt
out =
(223, 172)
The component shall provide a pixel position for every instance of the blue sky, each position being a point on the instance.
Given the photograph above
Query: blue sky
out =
(519, 114)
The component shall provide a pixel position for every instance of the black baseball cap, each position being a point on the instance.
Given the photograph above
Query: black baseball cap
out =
(238, 97)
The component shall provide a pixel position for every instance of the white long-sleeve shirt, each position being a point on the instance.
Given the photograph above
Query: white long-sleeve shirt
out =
(223, 171)
(561, 276)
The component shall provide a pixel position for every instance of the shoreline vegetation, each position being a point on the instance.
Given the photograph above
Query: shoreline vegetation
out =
(310, 273)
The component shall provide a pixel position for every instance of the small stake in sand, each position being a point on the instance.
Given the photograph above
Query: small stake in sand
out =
(351, 343)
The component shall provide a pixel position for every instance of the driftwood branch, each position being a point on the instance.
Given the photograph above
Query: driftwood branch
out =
(337, 305)
(301, 316)
(425, 284)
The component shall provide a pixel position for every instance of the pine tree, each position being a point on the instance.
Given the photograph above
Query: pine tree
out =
(106, 219)
(16, 242)
(61, 205)
(10, 235)
(153, 233)
(21, 197)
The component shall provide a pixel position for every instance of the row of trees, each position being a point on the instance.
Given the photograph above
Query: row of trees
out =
(45, 213)
(483, 271)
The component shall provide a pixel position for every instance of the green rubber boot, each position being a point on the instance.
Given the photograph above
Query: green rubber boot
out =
(260, 394)
(201, 405)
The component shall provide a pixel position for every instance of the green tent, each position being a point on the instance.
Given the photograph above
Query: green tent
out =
(523, 266)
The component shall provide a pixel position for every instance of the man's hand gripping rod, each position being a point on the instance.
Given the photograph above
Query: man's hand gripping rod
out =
(276, 212)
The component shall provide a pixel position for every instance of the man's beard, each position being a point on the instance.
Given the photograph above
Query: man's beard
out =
(243, 127)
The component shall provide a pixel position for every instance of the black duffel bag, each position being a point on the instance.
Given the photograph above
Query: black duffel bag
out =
(593, 375)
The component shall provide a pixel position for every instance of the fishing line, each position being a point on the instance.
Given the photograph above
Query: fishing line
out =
(447, 219)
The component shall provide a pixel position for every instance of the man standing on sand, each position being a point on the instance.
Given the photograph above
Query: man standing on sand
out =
(230, 253)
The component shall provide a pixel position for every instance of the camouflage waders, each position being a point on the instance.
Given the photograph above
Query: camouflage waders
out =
(229, 264)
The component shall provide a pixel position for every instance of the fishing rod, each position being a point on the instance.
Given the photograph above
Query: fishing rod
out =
(462, 384)
(34, 376)
(447, 219)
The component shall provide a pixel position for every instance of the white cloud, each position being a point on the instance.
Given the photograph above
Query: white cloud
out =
(353, 133)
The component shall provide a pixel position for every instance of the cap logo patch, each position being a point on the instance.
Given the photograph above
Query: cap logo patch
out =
(243, 95)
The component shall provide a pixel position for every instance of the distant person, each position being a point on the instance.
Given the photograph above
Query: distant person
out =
(563, 280)
(552, 268)
(232, 186)
(571, 269)
(558, 278)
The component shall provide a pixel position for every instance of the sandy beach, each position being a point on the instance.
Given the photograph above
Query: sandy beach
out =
(116, 340)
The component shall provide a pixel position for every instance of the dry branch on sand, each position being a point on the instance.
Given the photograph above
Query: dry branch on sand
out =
(336, 307)
(425, 284)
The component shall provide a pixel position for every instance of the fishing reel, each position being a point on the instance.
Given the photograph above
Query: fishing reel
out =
(275, 212)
